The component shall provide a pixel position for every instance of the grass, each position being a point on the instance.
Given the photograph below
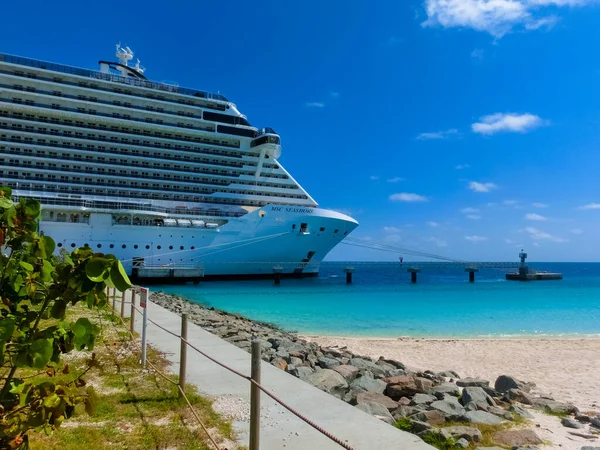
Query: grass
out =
(137, 409)
(555, 413)
(404, 424)
(440, 442)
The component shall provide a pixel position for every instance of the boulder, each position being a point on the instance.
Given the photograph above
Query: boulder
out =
(482, 417)
(489, 448)
(518, 395)
(418, 427)
(347, 371)
(588, 447)
(571, 423)
(404, 411)
(302, 372)
(476, 395)
(448, 374)
(368, 383)
(449, 407)
(504, 383)
(327, 363)
(368, 397)
(466, 382)
(461, 432)
(400, 386)
(463, 443)
(595, 421)
(515, 438)
(433, 417)
(423, 384)
(521, 412)
(329, 381)
(422, 399)
(583, 418)
(444, 389)
(391, 362)
(552, 406)
(295, 361)
(280, 363)
(376, 410)
(365, 364)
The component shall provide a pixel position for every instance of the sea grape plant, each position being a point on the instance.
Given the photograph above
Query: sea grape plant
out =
(36, 290)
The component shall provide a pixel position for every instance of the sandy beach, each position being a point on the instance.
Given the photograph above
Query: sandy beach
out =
(567, 369)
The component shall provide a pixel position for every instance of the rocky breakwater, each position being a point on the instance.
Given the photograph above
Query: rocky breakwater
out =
(426, 403)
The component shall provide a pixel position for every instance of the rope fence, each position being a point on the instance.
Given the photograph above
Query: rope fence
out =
(254, 379)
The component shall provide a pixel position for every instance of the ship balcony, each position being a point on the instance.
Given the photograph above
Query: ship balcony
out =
(268, 142)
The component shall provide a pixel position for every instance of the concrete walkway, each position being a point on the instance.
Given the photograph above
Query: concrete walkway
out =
(279, 428)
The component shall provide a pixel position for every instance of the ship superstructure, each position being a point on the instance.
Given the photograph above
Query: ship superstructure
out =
(158, 174)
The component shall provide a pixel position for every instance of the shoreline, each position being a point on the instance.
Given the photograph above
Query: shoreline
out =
(512, 337)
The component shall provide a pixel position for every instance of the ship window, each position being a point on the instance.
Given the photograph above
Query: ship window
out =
(170, 247)
(335, 231)
(345, 233)
(123, 246)
(322, 229)
(73, 245)
(112, 245)
(147, 247)
(192, 247)
(135, 246)
(99, 245)
(158, 247)
(181, 248)
(237, 131)
(303, 227)
(293, 226)
(60, 244)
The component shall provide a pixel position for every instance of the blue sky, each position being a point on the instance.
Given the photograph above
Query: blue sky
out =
(464, 128)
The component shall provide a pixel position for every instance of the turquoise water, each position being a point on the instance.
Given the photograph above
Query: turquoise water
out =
(382, 302)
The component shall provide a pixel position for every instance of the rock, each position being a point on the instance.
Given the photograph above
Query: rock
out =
(364, 364)
(327, 363)
(461, 432)
(296, 354)
(295, 361)
(329, 381)
(280, 363)
(466, 382)
(433, 417)
(367, 397)
(583, 418)
(504, 383)
(571, 423)
(422, 399)
(587, 447)
(423, 384)
(418, 427)
(347, 371)
(302, 372)
(482, 417)
(368, 383)
(490, 448)
(476, 395)
(400, 386)
(552, 406)
(448, 374)
(450, 407)
(521, 412)
(515, 438)
(462, 442)
(595, 421)
(391, 362)
(404, 411)
(405, 401)
(443, 389)
(281, 353)
(376, 410)
(519, 396)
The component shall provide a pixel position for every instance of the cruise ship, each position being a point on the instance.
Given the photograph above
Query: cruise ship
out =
(164, 177)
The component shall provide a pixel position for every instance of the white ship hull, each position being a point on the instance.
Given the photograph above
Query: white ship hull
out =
(290, 240)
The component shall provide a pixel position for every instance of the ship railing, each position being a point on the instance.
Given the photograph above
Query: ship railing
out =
(28, 62)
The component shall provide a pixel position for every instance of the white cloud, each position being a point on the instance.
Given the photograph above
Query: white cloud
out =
(533, 216)
(392, 238)
(536, 244)
(510, 202)
(407, 197)
(437, 135)
(576, 231)
(509, 241)
(433, 224)
(481, 187)
(374, 177)
(539, 205)
(437, 241)
(334, 94)
(395, 179)
(469, 210)
(539, 235)
(507, 122)
(473, 216)
(392, 229)
(496, 17)
(475, 239)
(315, 105)
(477, 54)
(462, 166)
(590, 206)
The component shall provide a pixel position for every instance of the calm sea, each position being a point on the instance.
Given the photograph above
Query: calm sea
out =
(382, 302)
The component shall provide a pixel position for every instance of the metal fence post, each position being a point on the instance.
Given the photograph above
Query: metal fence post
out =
(183, 353)
(144, 294)
(255, 397)
(114, 300)
(132, 315)
(123, 304)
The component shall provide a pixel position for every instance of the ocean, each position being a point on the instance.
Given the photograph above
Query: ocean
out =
(381, 302)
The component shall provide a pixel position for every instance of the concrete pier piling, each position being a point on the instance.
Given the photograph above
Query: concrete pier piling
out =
(471, 271)
(413, 273)
(349, 271)
(277, 270)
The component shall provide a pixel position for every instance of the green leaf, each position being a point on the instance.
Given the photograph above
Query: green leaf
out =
(52, 401)
(5, 191)
(58, 310)
(31, 207)
(47, 269)
(7, 328)
(84, 333)
(41, 352)
(96, 269)
(119, 277)
(25, 265)
(9, 217)
(91, 401)
(49, 244)
(5, 202)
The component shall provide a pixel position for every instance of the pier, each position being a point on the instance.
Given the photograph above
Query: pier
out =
(527, 274)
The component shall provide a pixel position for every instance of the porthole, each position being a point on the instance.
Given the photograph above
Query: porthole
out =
(86, 245)
(147, 247)
(322, 229)
(335, 231)
(112, 245)
(99, 245)
(158, 247)
(181, 248)
(192, 247)
(135, 246)
(60, 244)
(123, 246)
(345, 233)
(170, 247)
(73, 245)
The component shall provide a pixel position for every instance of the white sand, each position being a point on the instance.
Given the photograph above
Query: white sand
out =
(566, 369)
